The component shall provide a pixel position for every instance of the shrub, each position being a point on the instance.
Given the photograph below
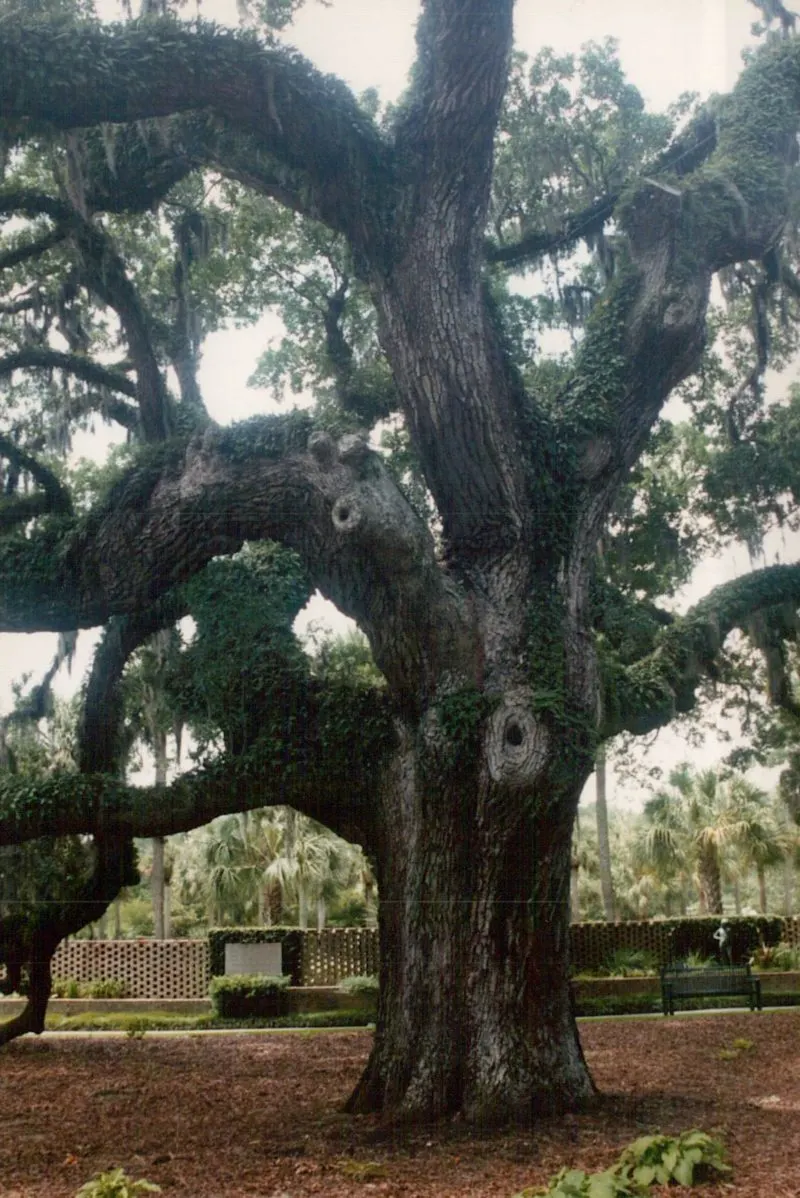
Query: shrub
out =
(242, 995)
(359, 984)
(70, 988)
(747, 932)
(617, 1004)
(776, 956)
(107, 989)
(629, 963)
(66, 988)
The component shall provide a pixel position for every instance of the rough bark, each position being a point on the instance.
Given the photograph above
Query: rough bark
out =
(475, 1013)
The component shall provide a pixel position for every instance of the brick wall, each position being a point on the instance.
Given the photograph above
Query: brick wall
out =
(180, 968)
(337, 953)
(147, 968)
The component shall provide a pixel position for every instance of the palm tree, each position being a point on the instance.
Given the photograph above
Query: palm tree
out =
(702, 823)
(764, 842)
(314, 864)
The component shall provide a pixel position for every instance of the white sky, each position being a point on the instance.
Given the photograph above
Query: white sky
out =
(666, 46)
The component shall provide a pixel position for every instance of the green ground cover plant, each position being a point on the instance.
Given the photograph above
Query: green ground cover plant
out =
(685, 1160)
(116, 1184)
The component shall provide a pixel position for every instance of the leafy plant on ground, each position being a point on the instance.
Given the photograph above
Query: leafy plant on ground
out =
(363, 1171)
(691, 1157)
(116, 1184)
(575, 1183)
(738, 1047)
(687, 1159)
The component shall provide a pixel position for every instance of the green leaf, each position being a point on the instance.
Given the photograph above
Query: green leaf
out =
(684, 1171)
(605, 1185)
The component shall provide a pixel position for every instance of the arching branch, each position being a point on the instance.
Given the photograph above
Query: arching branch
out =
(648, 693)
(53, 497)
(76, 75)
(33, 249)
(192, 500)
(37, 358)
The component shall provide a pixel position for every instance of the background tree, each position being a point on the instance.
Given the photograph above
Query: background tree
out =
(703, 822)
(151, 718)
(164, 177)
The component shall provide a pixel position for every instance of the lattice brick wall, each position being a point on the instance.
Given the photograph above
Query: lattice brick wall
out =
(337, 953)
(147, 968)
(180, 968)
(593, 943)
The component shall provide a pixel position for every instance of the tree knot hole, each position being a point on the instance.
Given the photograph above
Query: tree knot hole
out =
(514, 735)
(345, 515)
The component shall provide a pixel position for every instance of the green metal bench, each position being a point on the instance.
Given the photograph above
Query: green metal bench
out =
(681, 982)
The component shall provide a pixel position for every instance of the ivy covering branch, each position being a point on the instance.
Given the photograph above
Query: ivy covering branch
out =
(72, 76)
(648, 693)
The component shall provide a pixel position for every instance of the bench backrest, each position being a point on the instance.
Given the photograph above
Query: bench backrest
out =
(725, 980)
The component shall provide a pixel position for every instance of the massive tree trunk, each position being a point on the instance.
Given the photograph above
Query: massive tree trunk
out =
(475, 1013)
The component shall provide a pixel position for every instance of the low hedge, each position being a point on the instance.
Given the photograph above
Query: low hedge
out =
(155, 1021)
(242, 995)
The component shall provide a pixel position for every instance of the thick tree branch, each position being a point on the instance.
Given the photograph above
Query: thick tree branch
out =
(575, 226)
(328, 786)
(53, 497)
(648, 333)
(36, 358)
(454, 107)
(34, 249)
(190, 501)
(648, 693)
(100, 747)
(79, 75)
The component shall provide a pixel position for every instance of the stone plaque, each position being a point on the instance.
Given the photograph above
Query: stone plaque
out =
(254, 958)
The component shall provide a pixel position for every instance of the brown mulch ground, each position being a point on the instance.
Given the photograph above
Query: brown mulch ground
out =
(212, 1117)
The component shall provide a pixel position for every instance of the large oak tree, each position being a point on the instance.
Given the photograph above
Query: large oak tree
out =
(507, 655)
